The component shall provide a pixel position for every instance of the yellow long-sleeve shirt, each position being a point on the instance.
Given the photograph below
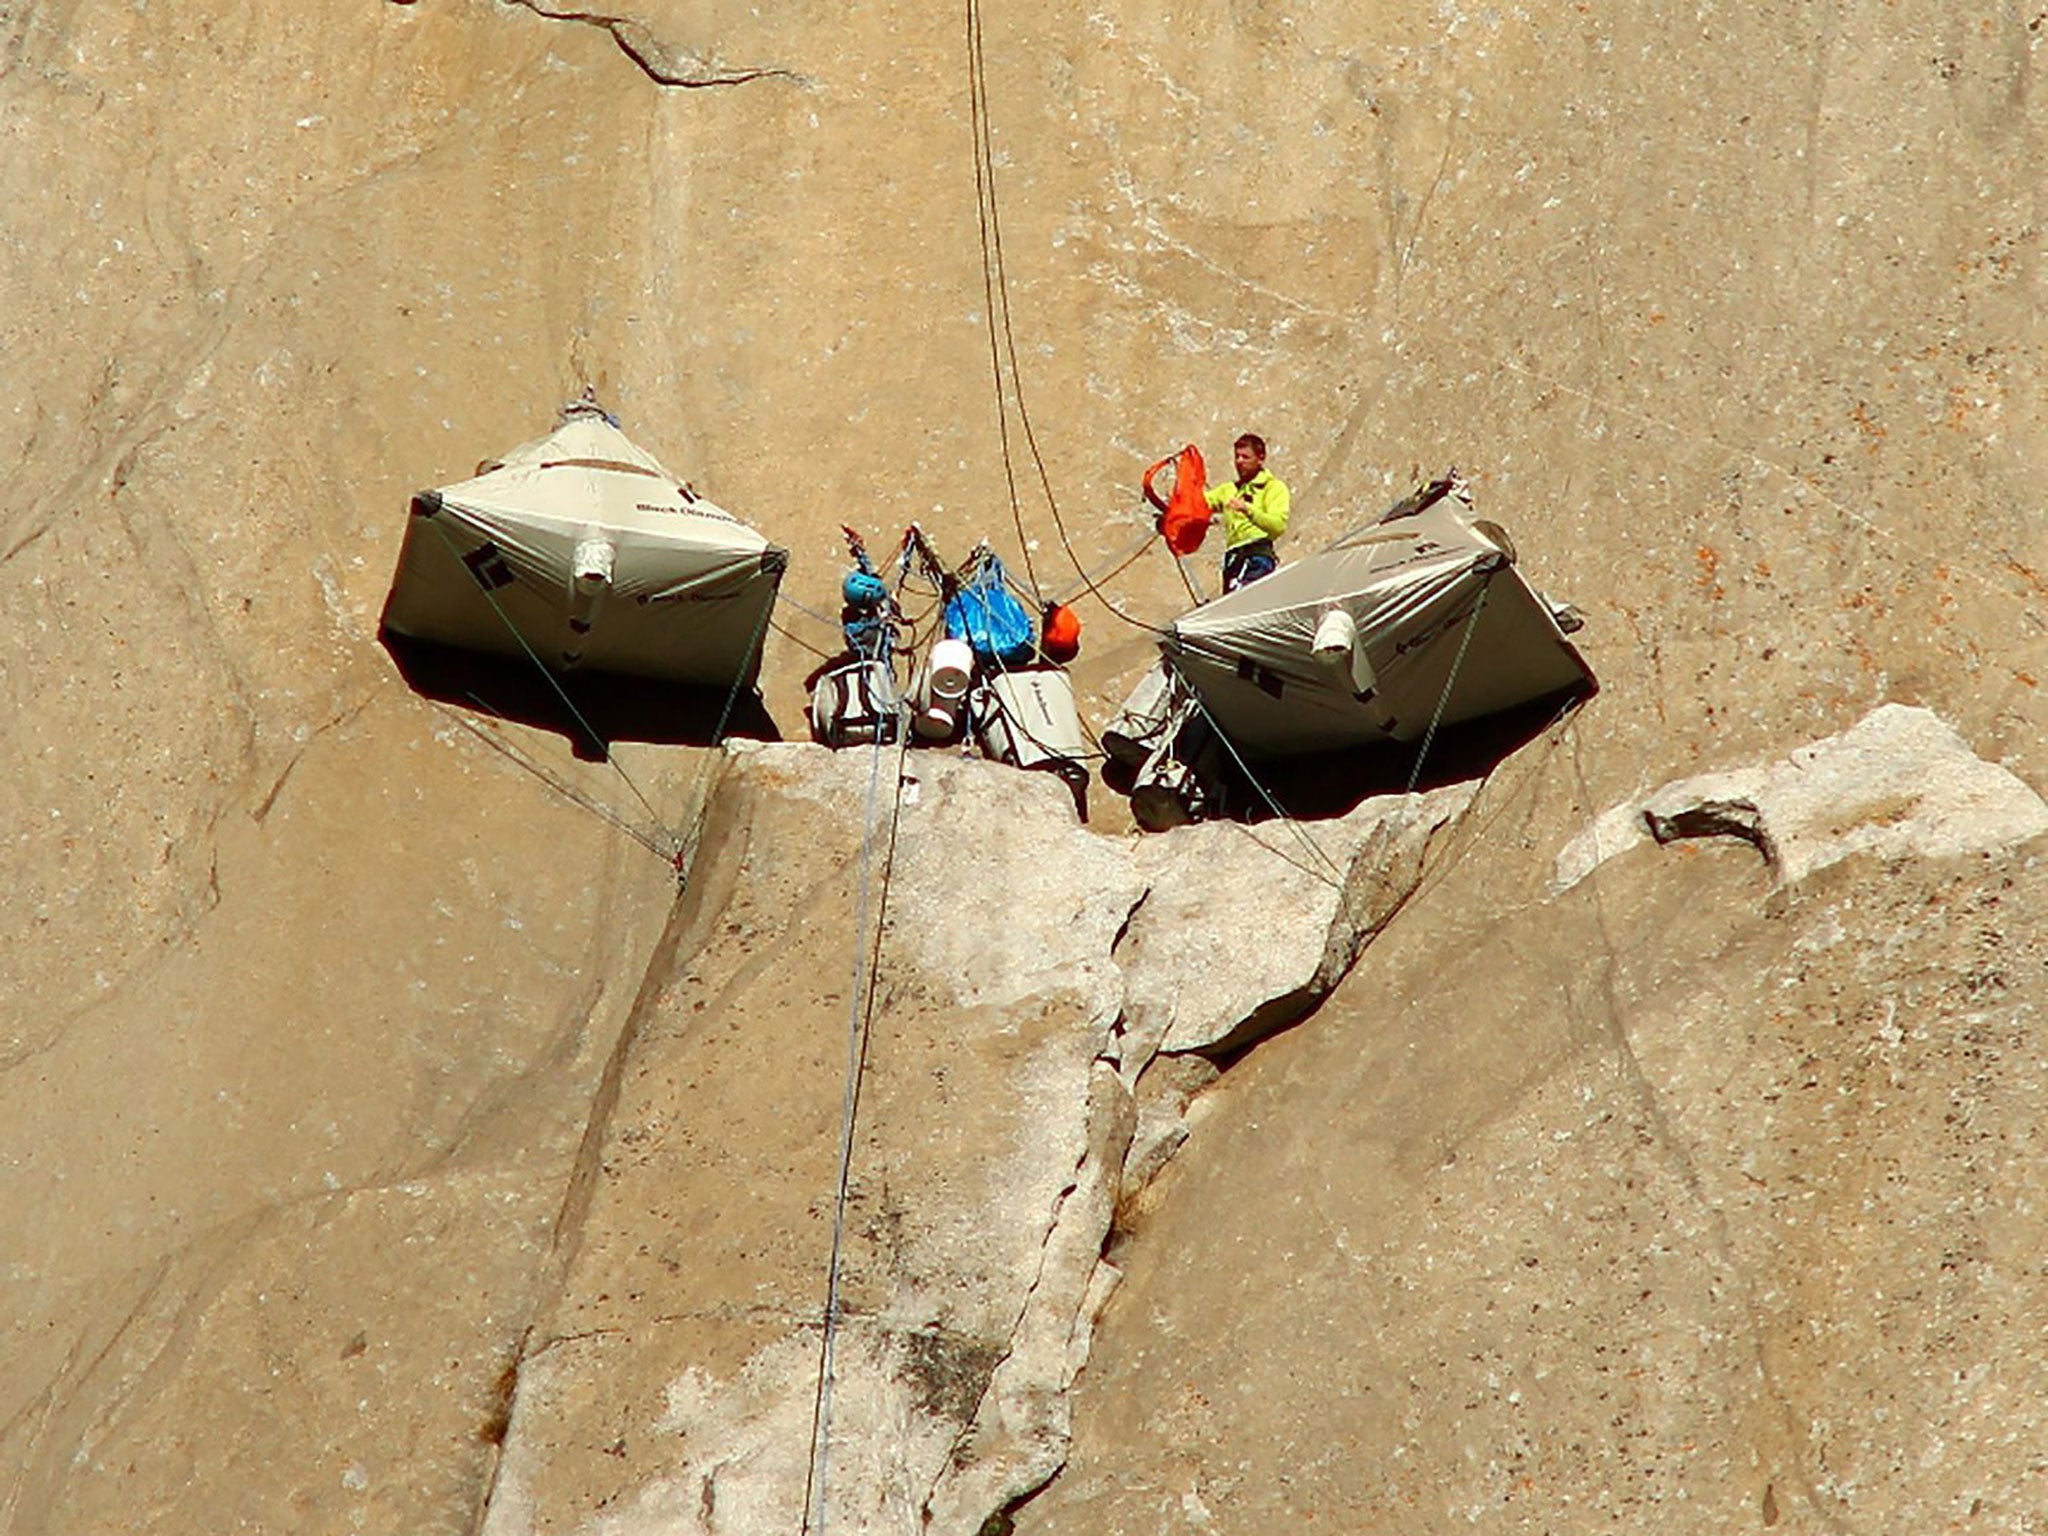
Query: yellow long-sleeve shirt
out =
(1266, 514)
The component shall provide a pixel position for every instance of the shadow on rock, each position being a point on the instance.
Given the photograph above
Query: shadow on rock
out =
(590, 710)
(1329, 784)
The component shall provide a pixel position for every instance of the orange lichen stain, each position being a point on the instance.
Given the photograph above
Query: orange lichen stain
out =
(1763, 569)
(1658, 317)
(1958, 407)
(2032, 576)
(1708, 580)
(2027, 678)
(1861, 416)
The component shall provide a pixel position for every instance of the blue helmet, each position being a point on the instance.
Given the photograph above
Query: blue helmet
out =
(864, 588)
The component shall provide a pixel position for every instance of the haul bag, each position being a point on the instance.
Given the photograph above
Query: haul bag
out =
(854, 705)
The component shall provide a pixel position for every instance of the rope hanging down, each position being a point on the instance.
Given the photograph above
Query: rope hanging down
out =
(686, 848)
(1444, 699)
(859, 1029)
(1330, 873)
(1002, 339)
(995, 284)
(678, 847)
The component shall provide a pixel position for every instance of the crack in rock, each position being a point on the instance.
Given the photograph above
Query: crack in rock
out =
(1018, 1437)
(666, 64)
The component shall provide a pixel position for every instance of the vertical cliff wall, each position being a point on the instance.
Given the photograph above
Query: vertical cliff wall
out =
(1733, 315)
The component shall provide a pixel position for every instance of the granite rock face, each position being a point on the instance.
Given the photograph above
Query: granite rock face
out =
(1698, 1192)
(679, 1380)
(1679, 1199)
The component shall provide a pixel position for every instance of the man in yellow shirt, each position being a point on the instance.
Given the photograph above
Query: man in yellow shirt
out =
(1254, 512)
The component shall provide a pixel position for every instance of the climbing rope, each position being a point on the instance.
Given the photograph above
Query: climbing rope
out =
(1334, 875)
(800, 643)
(1444, 699)
(732, 692)
(614, 819)
(994, 285)
(1002, 333)
(1331, 873)
(678, 847)
(859, 1030)
(1111, 568)
(686, 850)
(1553, 733)
(807, 611)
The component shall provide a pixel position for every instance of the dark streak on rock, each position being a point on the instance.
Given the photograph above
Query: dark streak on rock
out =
(663, 64)
(24, 541)
(497, 1418)
(949, 1371)
(262, 809)
(1124, 928)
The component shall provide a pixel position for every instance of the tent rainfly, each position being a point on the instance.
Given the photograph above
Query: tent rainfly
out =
(582, 551)
(1419, 618)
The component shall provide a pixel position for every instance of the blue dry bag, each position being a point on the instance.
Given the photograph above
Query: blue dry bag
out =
(989, 618)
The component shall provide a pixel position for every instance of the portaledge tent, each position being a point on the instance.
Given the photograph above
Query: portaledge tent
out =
(597, 557)
(1412, 591)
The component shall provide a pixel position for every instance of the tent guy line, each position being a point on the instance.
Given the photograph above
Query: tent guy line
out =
(590, 731)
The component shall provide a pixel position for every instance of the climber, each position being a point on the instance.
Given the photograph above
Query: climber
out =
(1254, 510)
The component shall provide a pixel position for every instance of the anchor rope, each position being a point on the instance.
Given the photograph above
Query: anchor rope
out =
(859, 1032)
(1444, 699)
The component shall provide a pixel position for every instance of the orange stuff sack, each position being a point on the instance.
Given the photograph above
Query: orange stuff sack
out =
(1060, 633)
(1184, 516)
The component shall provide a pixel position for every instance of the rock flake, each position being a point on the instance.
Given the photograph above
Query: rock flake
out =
(1899, 783)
